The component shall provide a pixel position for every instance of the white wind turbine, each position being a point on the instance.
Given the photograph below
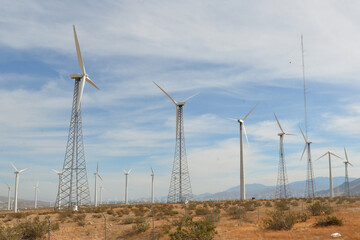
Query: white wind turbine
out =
(101, 190)
(17, 172)
(242, 171)
(180, 177)
(96, 175)
(347, 185)
(9, 200)
(330, 175)
(282, 184)
(36, 187)
(152, 185)
(59, 186)
(84, 77)
(126, 185)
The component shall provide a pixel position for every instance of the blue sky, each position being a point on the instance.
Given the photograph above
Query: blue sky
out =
(235, 53)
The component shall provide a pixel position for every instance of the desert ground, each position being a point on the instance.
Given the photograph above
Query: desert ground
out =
(134, 221)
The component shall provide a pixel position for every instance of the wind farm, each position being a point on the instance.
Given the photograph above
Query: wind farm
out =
(292, 76)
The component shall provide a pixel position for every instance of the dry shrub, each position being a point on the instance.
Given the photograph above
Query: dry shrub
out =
(32, 229)
(319, 208)
(282, 205)
(202, 211)
(328, 221)
(141, 227)
(236, 213)
(279, 220)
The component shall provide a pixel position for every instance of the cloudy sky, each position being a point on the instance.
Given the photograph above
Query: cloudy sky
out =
(235, 53)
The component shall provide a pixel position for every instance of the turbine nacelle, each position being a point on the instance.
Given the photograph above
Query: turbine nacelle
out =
(182, 103)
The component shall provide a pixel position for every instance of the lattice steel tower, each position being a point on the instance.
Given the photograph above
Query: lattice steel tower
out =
(74, 187)
(180, 186)
(282, 186)
(310, 189)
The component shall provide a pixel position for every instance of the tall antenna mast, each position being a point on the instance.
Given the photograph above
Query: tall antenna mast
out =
(303, 68)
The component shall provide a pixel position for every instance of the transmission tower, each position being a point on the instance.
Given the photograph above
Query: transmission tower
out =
(74, 187)
(180, 186)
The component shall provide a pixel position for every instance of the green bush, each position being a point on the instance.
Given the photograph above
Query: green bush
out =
(282, 205)
(319, 208)
(279, 220)
(190, 230)
(328, 221)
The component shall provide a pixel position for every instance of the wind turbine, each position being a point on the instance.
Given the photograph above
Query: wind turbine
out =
(101, 189)
(96, 175)
(36, 187)
(74, 167)
(126, 185)
(152, 185)
(59, 186)
(330, 175)
(282, 188)
(180, 177)
(347, 185)
(17, 172)
(310, 181)
(242, 171)
(9, 200)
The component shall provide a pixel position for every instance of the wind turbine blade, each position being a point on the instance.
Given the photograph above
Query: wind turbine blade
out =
(55, 171)
(152, 170)
(279, 123)
(303, 151)
(234, 119)
(350, 164)
(100, 177)
(165, 93)
(346, 156)
(7, 184)
(292, 134)
(129, 170)
(14, 166)
(303, 134)
(335, 155)
(191, 97)
(249, 113)
(81, 63)
(321, 156)
(23, 170)
(97, 167)
(92, 83)
(247, 140)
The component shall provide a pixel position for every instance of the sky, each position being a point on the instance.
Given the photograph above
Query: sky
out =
(235, 54)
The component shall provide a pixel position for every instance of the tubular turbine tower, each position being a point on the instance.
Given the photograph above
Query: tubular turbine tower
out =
(74, 186)
(180, 187)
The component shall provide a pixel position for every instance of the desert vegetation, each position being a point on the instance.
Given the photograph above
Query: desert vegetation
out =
(197, 220)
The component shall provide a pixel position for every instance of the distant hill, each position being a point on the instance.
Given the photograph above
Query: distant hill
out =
(297, 189)
(339, 190)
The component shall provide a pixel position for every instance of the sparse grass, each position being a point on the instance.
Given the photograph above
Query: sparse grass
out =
(282, 205)
(202, 211)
